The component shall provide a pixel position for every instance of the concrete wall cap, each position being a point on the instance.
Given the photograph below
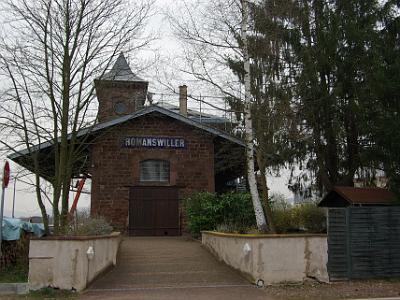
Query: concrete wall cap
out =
(262, 236)
(78, 237)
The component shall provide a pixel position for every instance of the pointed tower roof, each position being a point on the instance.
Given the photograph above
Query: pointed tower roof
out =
(121, 71)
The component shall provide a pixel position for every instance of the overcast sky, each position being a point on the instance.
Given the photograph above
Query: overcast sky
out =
(167, 47)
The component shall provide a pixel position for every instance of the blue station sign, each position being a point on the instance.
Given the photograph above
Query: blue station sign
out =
(154, 142)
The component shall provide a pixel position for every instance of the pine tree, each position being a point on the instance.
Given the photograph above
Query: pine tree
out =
(333, 50)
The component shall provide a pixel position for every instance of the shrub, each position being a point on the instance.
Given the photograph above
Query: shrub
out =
(304, 217)
(14, 261)
(285, 221)
(228, 228)
(90, 225)
(94, 226)
(237, 209)
(205, 211)
(233, 212)
(201, 212)
(282, 214)
(311, 217)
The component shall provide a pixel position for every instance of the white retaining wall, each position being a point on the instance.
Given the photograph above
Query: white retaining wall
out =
(62, 262)
(272, 258)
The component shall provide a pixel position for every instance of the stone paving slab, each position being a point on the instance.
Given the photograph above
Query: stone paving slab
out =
(170, 268)
(192, 293)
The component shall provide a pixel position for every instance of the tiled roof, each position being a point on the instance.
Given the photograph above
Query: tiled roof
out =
(365, 195)
(358, 196)
(145, 111)
(121, 72)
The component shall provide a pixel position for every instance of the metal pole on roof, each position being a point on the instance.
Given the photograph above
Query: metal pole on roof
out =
(200, 106)
(225, 115)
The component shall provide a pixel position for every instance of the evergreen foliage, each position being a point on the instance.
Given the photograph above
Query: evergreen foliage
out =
(326, 85)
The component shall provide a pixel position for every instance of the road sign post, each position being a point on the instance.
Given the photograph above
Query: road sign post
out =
(6, 180)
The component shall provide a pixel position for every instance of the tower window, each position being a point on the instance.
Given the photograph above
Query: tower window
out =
(153, 170)
(120, 108)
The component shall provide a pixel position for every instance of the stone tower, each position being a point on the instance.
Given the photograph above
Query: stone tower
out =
(119, 92)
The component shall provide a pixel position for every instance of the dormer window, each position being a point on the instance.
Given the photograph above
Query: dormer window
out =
(154, 170)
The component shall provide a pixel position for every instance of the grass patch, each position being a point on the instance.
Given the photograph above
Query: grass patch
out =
(49, 293)
(44, 294)
(11, 274)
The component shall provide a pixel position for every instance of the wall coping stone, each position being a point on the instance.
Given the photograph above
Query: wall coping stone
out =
(262, 236)
(77, 237)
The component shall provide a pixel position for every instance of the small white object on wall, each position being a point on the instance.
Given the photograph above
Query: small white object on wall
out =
(246, 248)
(90, 253)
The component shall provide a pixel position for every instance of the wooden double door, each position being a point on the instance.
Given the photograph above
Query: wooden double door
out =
(154, 211)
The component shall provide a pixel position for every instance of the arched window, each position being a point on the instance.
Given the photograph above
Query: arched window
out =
(154, 170)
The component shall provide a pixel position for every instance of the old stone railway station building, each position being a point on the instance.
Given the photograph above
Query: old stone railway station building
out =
(144, 160)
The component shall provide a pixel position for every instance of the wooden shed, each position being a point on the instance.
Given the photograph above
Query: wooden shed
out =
(363, 233)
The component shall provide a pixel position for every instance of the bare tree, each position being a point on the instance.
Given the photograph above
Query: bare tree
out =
(216, 34)
(52, 52)
(209, 32)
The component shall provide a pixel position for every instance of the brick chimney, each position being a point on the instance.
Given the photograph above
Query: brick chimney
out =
(183, 100)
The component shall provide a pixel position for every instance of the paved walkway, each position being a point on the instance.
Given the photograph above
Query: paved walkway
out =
(170, 268)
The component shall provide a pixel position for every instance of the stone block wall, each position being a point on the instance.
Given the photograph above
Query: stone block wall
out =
(109, 93)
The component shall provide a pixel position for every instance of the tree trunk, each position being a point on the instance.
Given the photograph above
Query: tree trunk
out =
(258, 210)
(265, 193)
(40, 199)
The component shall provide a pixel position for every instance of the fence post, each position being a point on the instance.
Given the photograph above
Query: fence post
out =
(348, 243)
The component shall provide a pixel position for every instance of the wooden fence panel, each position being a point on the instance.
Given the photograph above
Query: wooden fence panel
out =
(337, 244)
(364, 242)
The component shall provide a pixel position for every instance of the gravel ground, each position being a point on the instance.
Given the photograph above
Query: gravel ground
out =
(307, 291)
(336, 290)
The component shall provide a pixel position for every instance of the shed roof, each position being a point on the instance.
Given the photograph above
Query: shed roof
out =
(346, 196)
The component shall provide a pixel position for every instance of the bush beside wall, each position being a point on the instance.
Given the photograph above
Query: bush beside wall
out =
(233, 212)
(88, 225)
(14, 262)
(207, 211)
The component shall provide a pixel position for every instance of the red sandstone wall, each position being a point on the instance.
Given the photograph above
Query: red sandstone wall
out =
(115, 169)
(132, 94)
